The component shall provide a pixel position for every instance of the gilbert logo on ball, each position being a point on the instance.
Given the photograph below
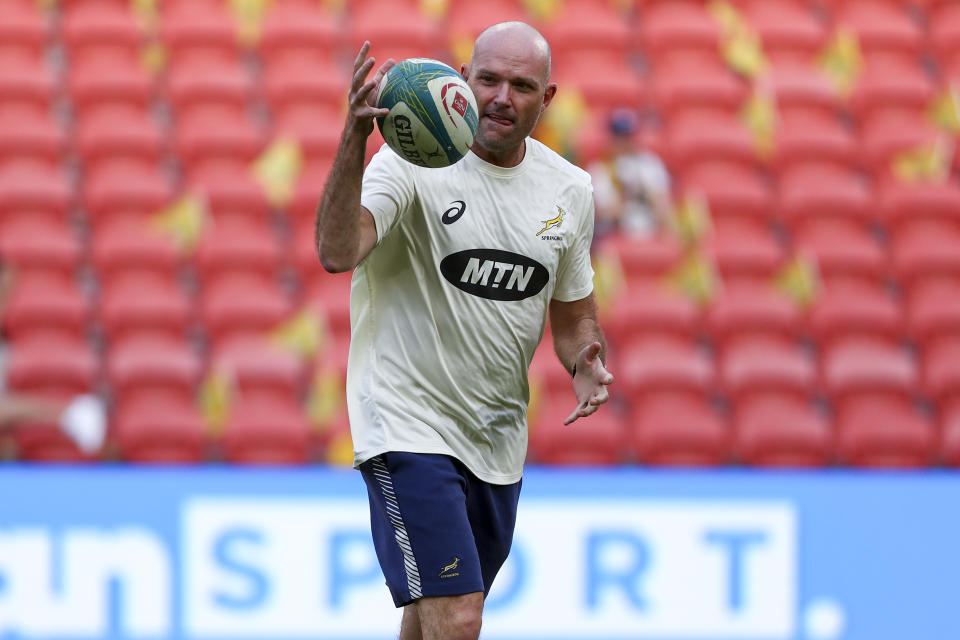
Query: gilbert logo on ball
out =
(433, 113)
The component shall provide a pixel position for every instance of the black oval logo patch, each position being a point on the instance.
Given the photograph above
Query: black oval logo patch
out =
(453, 214)
(494, 274)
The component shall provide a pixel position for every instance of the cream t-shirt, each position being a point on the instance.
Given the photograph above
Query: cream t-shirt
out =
(448, 308)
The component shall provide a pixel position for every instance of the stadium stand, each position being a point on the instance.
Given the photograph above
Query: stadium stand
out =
(150, 258)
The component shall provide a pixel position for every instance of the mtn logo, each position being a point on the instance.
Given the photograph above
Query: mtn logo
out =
(495, 274)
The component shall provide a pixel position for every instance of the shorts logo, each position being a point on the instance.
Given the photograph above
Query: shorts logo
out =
(450, 571)
(553, 222)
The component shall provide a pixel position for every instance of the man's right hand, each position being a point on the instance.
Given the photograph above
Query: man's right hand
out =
(363, 93)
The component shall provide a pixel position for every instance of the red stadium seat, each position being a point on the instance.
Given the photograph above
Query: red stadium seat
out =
(119, 134)
(843, 249)
(788, 30)
(39, 247)
(239, 247)
(761, 366)
(889, 84)
(225, 85)
(58, 367)
(205, 136)
(881, 26)
(260, 368)
(685, 431)
(649, 307)
(925, 249)
(160, 431)
(330, 294)
(27, 134)
(732, 189)
(599, 439)
(808, 136)
(933, 311)
(941, 370)
(668, 27)
(778, 431)
(231, 192)
(752, 309)
(884, 432)
(195, 30)
(944, 30)
(131, 248)
(693, 84)
(804, 89)
(153, 366)
(306, 197)
(123, 188)
(950, 435)
(903, 204)
(394, 31)
(642, 258)
(299, 122)
(603, 82)
(888, 133)
(744, 249)
(298, 83)
(30, 189)
(23, 32)
(105, 81)
(663, 365)
(237, 306)
(45, 307)
(300, 28)
(95, 27)
(587, 27)
(823, 190)
(852, 309)
(144, 306)
(268, 432)
(46, 442)
(27, 83)
(465, 20)
(858, 369)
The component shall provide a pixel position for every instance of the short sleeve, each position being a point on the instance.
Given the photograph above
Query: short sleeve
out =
(388, 189)
(575, 274)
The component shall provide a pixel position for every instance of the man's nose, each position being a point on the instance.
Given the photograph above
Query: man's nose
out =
(503, 93)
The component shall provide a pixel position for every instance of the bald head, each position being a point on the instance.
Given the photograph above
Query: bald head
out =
(518, 36)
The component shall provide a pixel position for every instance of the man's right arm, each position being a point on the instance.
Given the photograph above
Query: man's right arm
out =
(345, 231)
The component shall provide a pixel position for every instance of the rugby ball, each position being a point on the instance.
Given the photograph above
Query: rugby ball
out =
(433, 113)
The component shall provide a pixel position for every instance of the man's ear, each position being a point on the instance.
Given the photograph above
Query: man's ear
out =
(464, 70)
(548, 95)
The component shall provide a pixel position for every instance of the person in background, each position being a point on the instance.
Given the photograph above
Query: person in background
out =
(631, 185)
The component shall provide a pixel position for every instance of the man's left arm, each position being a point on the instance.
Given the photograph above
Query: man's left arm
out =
(581, 347)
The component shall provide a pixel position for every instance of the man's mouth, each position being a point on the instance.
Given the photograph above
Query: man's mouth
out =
(499, 119)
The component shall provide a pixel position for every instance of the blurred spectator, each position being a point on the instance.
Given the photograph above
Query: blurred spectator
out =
(631, 185)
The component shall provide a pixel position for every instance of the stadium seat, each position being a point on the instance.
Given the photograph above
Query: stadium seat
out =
(809, 136)
(933, 311)
(330, 294)
(58, 367)
(688, 84)
(586, 28)
(160, 431)
(855, 309)
(106, 81)
(46, 443)
(119, 134)
(223, 84)
(788, 30)
(884, 432)
(599, 439)
(198, 31)
(300, 29)
(887, 133)
(45, 307)
(804, 89)
(944, 30)
(152, 367)
(27, 83)
(750, 367)
(394, 31)
(650, 307)
(465, 20)
(28, 189)
(604, 83)
(777, 431)
(117, 189)
(941, 370)
(23, 32)
(744, 249)
(684, 431)
(733, 190)
(211, 135)
(887, 84)
(95, 27)
(290, 84)
(230, 191)
(823, 190)
(950, 435)
(263, 431)
(882, 27)
(307, 194)
(40, 247)
(859, 369)
(239, 306)
(903, 204)
(300, 122)
(656, 364)
(925, 249)
(668, 27)
(238, 247)
(752, 309)
(260, 368)
(31, 135)
(692, 138)
(641, 258)
(132, 247)
(843, 249)
(144, 306)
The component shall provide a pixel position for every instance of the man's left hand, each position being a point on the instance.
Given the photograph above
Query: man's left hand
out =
(590, 382)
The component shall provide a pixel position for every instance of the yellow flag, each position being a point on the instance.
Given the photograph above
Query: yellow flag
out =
(691, 221)
(609, 280)
(461, 45)
(185, 221)
(842, 60)
(743, 52)
(727, 16)
(928, 162)
(759, 115)
(434, 10)
(248, 18)
(304, 334)
(326, 397)
(277, 170)
(217, 396)
(543, 10)
(567, 113)
(944, 110)
(153, 57)
(146, 14)
(340, 450)
(695, 276)
(799, 279)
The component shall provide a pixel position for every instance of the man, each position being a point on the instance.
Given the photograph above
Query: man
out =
(456, 272)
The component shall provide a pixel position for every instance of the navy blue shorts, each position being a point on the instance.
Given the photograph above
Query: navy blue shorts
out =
(437, 528)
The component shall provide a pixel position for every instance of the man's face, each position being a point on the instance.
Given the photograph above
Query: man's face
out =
(508, 80)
